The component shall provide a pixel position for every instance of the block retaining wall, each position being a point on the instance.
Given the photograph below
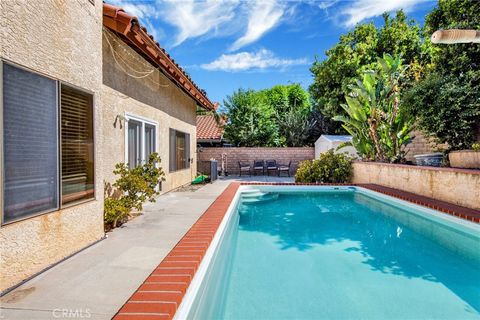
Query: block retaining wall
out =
(457, 186)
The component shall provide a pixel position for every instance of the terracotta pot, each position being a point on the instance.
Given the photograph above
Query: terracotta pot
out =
(465, 159)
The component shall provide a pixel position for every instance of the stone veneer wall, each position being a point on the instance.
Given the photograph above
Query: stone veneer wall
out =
(457, 186)
(62, 40)
(281, 155)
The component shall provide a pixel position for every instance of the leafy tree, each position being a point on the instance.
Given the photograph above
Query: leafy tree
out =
(357, 52)
(278, 116)
(379, 128)
(250, 120)
(447, 102)
(291, 104)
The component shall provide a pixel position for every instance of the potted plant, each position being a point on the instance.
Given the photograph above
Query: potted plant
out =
(466, 158)
(429, 159)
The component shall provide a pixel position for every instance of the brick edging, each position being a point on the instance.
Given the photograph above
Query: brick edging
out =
(160, 295)
(442, 206)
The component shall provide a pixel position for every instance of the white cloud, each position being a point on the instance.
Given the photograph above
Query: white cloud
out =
(250, 19)
(262, 17)
(327, 4)
(194, 19)
(364, 9)
(243, 61)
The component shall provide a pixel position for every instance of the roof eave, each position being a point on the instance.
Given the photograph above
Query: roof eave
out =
(121, 22)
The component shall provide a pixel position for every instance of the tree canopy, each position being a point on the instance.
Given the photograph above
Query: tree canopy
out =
(357, 51)
(278, 116)
(446, 102)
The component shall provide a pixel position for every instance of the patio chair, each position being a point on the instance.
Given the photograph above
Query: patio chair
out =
(271, 165)
(284, 168)
(244, 167)
(258, 165)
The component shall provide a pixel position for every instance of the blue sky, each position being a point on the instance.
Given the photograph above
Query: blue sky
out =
(226, 45)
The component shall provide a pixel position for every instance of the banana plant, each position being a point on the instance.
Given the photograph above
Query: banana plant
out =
(379, 129)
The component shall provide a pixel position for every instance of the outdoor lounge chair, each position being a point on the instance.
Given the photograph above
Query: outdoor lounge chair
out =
(244, 167)
(271, 165)
(284, 168)
(258, 165)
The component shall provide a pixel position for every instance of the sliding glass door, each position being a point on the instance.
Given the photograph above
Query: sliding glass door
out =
(134, 143)
(141, 141)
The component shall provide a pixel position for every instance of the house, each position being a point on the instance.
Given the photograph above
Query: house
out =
(149, 102)
(210, 131)
(83, 87)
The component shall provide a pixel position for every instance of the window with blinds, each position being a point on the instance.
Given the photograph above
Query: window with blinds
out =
(36, 168)
(76, 110)
(30, 143)
(179, 150)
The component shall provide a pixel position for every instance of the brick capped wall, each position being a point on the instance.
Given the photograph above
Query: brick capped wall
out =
(281, 155)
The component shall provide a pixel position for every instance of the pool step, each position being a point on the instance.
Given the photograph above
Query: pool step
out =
(258, 196)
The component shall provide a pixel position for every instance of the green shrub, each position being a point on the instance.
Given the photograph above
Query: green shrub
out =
(138, 184)
(115, 211)
(133, 188)
(329, 168)
(476, 147)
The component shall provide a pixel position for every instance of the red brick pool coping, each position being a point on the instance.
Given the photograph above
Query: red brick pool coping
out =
(160, 295)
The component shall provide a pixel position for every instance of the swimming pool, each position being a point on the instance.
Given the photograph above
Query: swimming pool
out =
(335, 253)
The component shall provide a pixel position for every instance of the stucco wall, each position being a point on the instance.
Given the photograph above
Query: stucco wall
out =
(153, 97)
(457, 186)
(62, 40)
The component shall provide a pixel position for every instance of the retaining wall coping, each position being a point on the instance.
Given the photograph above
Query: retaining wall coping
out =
(413, 167)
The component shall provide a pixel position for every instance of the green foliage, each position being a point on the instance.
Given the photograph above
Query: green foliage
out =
(357, 52)
(115, 210)
(476, 147)
(446, 109)
(251, 120)
(329, 168)
(134, 187)
(458, 59)
(447, 102)
(379, 128)
(278, 116)
(291, 104)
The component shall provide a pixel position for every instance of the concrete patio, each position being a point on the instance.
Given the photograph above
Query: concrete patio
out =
(96, 282)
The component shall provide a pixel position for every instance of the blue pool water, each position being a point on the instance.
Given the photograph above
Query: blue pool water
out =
(343, 255)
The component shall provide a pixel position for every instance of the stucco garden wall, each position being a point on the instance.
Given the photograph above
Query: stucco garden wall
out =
(457, 186)
(154, 98)
(62, 40)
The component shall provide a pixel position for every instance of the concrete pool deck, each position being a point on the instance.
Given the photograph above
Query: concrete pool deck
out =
(96, 282)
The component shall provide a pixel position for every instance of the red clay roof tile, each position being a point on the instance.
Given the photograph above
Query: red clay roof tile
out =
(208, 128)
(117, 20)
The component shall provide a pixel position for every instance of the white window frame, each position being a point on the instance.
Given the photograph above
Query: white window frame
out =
(144, 121)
